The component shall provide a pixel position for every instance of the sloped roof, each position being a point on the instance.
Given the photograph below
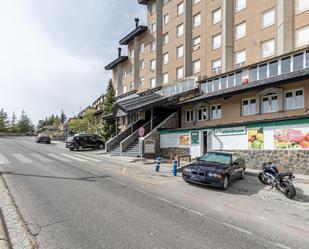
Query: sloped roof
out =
(136, 32)
(116, 62)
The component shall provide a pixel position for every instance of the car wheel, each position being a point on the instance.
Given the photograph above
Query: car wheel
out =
(80, 148)
(71, 149)
(242, 175)
(101, 146)
(225, 183)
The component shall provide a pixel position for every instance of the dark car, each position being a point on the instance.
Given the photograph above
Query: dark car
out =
(82, 141)
(43, 139)
(215, 169)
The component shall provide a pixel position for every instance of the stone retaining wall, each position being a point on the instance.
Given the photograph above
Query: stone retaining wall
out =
(170, 153)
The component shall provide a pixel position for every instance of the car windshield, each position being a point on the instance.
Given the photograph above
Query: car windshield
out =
(217, 158)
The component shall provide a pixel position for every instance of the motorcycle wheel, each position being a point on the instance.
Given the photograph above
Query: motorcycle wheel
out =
(289, 190)
(261, 178)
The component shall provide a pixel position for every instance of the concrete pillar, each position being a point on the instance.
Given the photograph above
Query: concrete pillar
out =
(136, 58)
(119, 75)
(159, 43)
(284, 26)
(227, 35)
(188, 39)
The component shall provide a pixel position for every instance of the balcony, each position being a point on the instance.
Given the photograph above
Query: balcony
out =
(178, 87)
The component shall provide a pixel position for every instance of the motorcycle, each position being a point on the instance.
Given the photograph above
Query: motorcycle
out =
(282, 181)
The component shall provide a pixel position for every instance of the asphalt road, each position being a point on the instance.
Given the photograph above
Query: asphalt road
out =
(80, 200)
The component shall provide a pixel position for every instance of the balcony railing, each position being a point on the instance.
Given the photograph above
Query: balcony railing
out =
(178, 87)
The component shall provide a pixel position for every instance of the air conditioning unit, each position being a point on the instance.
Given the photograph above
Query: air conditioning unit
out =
(239, 65)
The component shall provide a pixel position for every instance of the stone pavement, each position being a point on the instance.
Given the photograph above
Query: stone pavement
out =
(18, 235)
(4, 244)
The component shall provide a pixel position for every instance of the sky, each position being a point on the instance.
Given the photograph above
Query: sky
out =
(53, 52)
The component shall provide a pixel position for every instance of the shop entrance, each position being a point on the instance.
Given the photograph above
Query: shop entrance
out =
(205, 148)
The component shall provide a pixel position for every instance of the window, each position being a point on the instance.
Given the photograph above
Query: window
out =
(152, 82)
(298, 61)
(196, 43)
(132, 86)
(302, 36)
(230, 80)
(262, 71)
(131, 54)
(131, 69)
(216, 41)
(180, 9)
(165, 78)
(202, 113)
(124, 74)
(240, 5)
(166, 18)
(195, 1)
(165, 58)
(179, 52)
(253, 74)
(142, 47)
(216, 16)
(141, 65)
(153, 8)
(153, 65)
(268, 48)
(216, 85)
(165, 38)
(270, 103)
(238, 78)
(153, 46)
(216, 112)
(223, 81)
(273, 68)
(196, 66)
(180, 30)
(307, 59)
(240, 31)
(216, 66)
(189, 116)
(179, 73)
(197, 20)
(141, 81)
(294, 99)
(153, 27)
(301, 5)
(268, 18)
(240, 57)
(249, 107)
(286, 65)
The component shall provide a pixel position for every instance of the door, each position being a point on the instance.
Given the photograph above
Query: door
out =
(205, 137)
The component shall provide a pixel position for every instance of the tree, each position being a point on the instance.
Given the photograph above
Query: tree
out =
(63, 117)
(14, 128)
(109, 128)
(4, 121)
(87, 123)
(24, 124)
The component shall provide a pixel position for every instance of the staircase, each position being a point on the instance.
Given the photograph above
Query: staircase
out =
(132, 150)
(115, 151)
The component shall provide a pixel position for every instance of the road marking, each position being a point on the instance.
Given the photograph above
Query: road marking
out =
(297, 229)
(59, 158)
(41, 158)
(281, 246)
(87, 158)
(238, 228)
(3, 160)
(21, 158)
(74, 158)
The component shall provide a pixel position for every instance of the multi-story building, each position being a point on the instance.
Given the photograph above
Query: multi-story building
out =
(250, 63)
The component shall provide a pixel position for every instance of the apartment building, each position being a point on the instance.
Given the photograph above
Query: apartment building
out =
(241, 67)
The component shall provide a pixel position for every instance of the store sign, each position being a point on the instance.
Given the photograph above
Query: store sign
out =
(195, 138)
(149, 146)
(231, 131)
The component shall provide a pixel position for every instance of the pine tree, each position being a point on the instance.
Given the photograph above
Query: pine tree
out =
(14, 128)
(24, 124)
(109, 128)
(4, 121)
(63, 117)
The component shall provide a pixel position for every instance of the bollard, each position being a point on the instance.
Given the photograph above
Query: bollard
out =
(175, 168)
(158, 164)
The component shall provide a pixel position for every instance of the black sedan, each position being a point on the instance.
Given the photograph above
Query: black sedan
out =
(215, 169)
(43, 139)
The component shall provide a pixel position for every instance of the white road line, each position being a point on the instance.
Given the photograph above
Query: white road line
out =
(3, 160)
(41, 158)
(87, 157)
(74, 158)
(237, 228)
(281, 246)
(60, 158)
(21, 158)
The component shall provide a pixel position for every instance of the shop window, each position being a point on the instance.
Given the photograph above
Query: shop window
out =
(286, 65)
(270, 103)
(189, 116)
(273, 69)
(216, 112)
(253, 74)
(263, 71)
(298, 61)
(249, 107)
(294, 99)
(202, 113)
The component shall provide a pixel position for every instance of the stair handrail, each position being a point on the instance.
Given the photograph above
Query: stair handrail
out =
(122, 135)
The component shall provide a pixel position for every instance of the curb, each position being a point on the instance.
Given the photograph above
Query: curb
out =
(4, 241)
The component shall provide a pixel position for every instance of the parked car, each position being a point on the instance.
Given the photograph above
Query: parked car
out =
(82, 141)
(215, 169)
(43, 139)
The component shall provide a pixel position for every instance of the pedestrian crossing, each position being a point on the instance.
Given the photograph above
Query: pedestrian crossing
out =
(31, 158)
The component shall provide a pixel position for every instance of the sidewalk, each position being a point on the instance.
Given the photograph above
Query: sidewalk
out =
(4, 244)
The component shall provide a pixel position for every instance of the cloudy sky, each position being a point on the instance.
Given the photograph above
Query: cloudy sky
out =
(53, 52)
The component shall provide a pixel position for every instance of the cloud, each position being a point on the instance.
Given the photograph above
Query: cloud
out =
(53, 53)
